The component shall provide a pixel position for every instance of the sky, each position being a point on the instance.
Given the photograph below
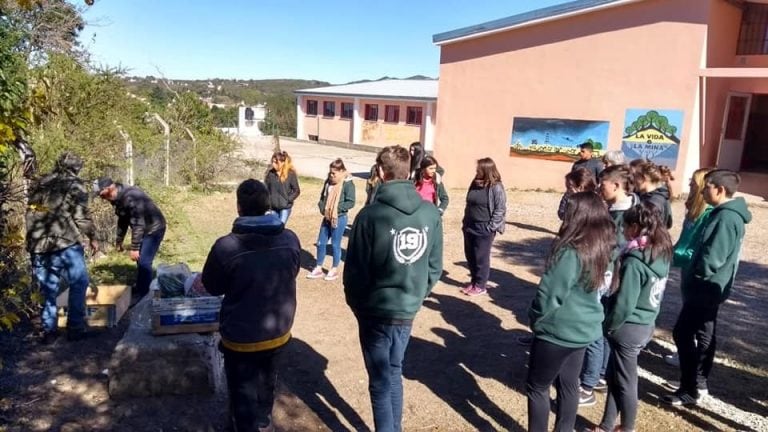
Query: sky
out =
(333, 40)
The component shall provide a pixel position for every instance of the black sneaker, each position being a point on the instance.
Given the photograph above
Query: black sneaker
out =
(586, 398)
(48, 338)
(675, 386)
(680, 398)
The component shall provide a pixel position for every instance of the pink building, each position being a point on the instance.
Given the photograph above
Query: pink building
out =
(377, 113)
(683, 82)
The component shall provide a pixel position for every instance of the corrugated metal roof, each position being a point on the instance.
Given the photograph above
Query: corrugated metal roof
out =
(399, 89)
(543, 14)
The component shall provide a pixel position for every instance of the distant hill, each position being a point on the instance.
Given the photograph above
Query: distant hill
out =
(229, 92)
(219, 91)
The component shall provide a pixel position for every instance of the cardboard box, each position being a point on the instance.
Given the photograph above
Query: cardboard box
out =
(185, 315)
(104, 305)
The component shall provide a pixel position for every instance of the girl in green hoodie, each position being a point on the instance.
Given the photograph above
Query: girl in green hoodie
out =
(566, 314)
(633, 305)
(696, 212)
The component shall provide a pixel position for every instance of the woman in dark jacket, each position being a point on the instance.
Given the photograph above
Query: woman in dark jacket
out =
(483, 217)
(282, 184)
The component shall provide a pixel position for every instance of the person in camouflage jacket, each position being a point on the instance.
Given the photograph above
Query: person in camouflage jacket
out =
(56, 217)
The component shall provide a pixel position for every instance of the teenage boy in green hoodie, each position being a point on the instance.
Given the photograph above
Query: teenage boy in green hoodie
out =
(394, 258)
(707, 282)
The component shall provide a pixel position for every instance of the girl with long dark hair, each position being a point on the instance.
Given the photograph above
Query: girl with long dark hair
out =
(484, 216)
(633, 306)
(429, 184)
(566, 314)
(417, 154)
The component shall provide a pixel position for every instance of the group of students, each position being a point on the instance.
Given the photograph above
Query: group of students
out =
(484, 213)
(597, 302)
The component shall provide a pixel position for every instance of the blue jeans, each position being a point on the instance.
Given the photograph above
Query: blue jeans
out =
(283, 215)
(48, 269)
(383, 348)
(595, 363)
(335, 234)
(149, 247)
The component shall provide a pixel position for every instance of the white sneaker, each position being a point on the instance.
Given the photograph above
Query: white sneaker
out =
(316, 273)
(333, 274)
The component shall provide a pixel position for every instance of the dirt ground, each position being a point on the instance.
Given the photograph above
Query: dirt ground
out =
(464, 370)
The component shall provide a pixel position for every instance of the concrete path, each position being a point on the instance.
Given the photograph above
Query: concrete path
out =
(310, 159)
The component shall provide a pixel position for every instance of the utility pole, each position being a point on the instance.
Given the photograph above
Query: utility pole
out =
(128, 155)
(167, 133)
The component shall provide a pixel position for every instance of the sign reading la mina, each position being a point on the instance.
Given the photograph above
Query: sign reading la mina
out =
(652, 134)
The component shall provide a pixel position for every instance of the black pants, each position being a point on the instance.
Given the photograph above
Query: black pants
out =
(550, 363)
(626, 343)
(251, 381)
(695, 337)
(477, 250)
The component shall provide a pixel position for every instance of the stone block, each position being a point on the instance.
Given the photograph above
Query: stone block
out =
(145, 365)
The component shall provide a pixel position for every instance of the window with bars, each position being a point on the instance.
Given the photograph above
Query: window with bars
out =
(311, 107)
(413, 115)
(372, 112)
(329, 109)
(753, 36)
(391, 113)
(346, 110)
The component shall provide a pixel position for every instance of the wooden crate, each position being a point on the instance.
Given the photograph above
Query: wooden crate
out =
(185, 315)
(104, 305)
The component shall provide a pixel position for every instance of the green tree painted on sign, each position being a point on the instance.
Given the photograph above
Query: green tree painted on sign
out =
(651, 119)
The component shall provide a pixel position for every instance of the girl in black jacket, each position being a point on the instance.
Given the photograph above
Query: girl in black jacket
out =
(282, 184)
(484, 216)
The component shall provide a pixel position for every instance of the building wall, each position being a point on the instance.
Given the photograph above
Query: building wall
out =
(327, 128)
(380, 133)
(373, 133)
(722, 41)
(251, 127)
(589, 67)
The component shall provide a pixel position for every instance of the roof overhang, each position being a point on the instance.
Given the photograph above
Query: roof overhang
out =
(366, 96)
(540, 16)
(745, 72)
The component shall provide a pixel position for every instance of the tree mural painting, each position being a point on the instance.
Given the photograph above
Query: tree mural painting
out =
(652, 134)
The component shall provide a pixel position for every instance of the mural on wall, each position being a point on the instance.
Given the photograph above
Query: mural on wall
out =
(556, 139)
(652, 134)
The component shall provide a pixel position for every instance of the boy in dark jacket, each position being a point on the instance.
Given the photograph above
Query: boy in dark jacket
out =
(394, 259)
(587, 161)
(136, 209)
(707, 282)
(255, 268)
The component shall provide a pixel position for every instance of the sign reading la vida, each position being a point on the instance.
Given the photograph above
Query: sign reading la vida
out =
(653, 135)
